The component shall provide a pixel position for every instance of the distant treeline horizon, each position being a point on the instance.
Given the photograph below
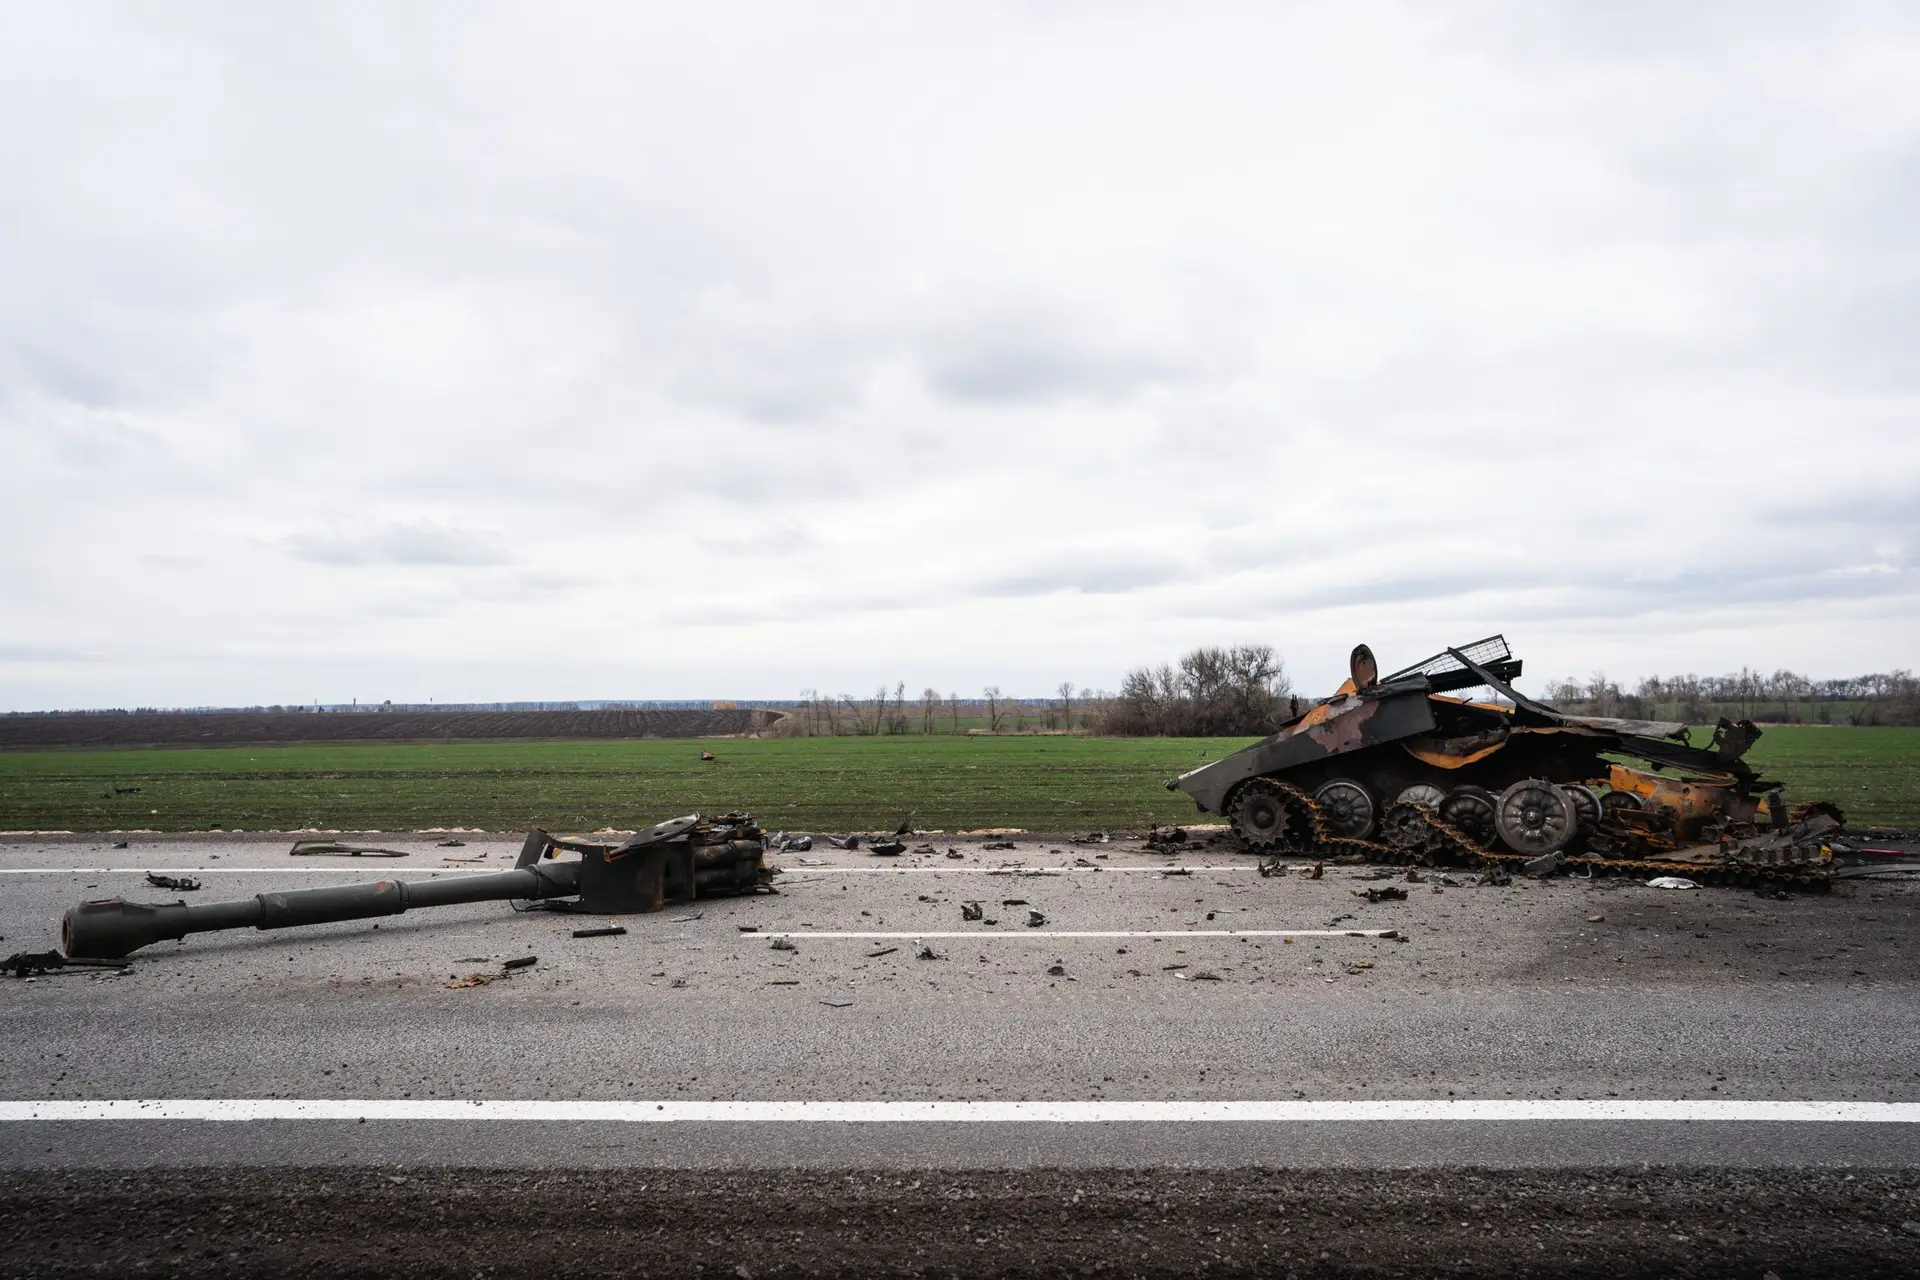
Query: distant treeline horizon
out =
(1243, 689)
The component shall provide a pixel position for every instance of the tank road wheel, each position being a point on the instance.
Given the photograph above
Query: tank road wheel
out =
(1268, 820)
(1586, 812)
(1347, 808)
(1405, 827)
(1469, 810)
(1424, 794)
(1535, 817)
(1619, 800)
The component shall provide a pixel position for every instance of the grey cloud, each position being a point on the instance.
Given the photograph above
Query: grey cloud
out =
(1585, 593)
(1092, 573)
(774, 540)
(1017, 359)
(403, 544)
(772, 392)
(42, 653)
(550, 581)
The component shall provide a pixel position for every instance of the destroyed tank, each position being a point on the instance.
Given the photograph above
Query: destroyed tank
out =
(1402, 765)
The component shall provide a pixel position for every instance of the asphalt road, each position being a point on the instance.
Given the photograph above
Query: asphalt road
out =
(1489, 992)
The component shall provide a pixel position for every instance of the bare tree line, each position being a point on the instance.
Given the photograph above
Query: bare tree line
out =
(1212, 691)
(1881, 698)
(886, 712)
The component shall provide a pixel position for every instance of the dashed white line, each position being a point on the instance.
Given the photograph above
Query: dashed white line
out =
(894, 1112)
(1031, 935)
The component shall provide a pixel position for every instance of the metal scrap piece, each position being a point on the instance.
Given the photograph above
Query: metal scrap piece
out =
(335, 849)
(22, 964)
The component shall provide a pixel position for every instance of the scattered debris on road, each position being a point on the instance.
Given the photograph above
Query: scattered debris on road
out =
(1385, 893)
(179, 884)
(887, 848)
(1671, 882)
(1544, 865)
(784, 944)
(451, 844)
(605, 931)
(844, 842)
(972, 911)
(884, 951)
(521, 962)
(1035, 919)
(993, 846)
(25, 964)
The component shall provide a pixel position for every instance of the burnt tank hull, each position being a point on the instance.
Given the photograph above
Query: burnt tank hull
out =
(1517, 773)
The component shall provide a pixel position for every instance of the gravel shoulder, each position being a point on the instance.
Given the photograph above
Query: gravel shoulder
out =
(449, 1222)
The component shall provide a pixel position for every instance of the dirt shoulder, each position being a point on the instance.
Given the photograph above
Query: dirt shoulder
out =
(430, 1223)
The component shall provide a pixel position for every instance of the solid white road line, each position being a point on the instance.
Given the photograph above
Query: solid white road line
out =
(1035, 934)
(868, 1112)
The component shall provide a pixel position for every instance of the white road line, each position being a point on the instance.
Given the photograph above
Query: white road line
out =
(1179, 868)
(1036, 934)
(869, 1112)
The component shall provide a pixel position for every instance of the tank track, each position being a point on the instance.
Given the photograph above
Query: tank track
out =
(1448, 845)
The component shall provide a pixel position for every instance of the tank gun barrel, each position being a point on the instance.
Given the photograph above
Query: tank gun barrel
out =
(108, 928)
(683, 858)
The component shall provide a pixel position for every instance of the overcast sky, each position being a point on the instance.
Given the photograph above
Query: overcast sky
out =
(568, 351)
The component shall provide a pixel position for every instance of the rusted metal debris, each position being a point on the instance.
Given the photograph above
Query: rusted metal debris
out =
(1398, 769)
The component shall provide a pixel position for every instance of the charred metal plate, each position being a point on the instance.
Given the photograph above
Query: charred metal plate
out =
(659, 834)
(1332, 729)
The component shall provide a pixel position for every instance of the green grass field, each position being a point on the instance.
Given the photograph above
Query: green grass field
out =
(1039, 783)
